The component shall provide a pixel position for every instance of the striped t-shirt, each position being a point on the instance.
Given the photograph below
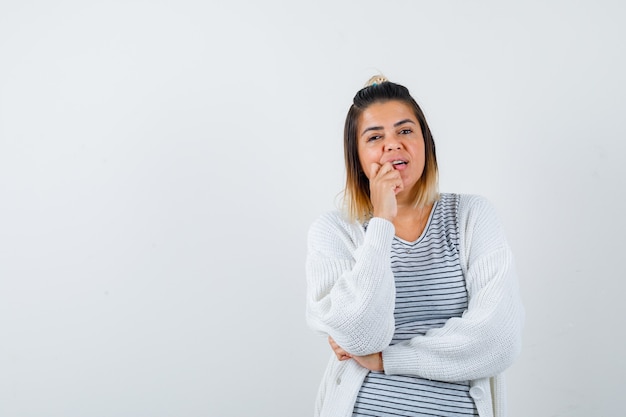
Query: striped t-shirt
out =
(430, 289)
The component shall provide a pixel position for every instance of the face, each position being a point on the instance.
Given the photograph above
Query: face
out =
(389, 132)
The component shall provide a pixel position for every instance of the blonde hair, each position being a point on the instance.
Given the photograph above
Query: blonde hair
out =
(356, 199)
(375, 80)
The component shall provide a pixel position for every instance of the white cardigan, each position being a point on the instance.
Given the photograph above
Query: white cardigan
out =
(351, 297)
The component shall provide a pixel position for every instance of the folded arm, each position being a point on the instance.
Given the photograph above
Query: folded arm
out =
(350, 285)
(487, 338)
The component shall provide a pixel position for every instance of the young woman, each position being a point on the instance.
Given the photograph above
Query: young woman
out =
(415, 290)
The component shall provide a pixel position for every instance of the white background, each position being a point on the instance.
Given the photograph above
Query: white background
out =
(160, 163)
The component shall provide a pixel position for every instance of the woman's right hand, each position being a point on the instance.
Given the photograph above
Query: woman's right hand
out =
(385, 183)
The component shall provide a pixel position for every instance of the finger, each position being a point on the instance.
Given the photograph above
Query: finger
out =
(338, 350)
(374, 169)
(387, 177)
(392, 180)
(332, 343)
(385, 169)
(341, 354)
(398, 186)
(390, 175)
(334, 346)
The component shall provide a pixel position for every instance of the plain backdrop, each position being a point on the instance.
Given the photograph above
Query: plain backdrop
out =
(161, 162)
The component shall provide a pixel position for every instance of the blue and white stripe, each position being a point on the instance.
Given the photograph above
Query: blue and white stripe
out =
(430, 289)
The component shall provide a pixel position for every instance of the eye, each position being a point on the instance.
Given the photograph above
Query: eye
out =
(406, 131)
(373, 138)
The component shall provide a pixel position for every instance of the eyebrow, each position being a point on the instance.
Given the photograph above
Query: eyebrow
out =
(401, 122)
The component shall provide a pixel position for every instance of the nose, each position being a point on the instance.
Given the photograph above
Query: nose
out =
(391, 144)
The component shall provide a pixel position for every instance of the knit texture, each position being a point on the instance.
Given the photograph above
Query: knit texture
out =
(351, 297)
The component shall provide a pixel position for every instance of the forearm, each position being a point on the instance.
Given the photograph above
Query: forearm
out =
(351, 295)
(481, 343)
(454, 359)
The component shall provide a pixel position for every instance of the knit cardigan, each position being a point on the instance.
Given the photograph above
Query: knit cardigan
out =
(351, 297)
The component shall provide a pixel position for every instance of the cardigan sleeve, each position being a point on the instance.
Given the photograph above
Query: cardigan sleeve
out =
(487, 338)
(350, 285)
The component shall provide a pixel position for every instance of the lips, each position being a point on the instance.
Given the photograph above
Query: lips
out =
(399, 164)
(397, 160)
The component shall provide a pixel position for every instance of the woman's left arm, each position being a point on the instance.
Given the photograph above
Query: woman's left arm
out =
(487, 338)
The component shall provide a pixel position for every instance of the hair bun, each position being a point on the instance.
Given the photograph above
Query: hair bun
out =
(375, 80)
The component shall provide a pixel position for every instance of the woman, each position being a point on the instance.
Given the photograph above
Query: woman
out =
(415, 290)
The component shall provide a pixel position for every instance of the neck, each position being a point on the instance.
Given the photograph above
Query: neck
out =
(411, 221)
(410, 211)
(406, 205)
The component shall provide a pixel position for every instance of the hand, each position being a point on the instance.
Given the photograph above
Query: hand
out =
(373, 362)
(385, 183)
(342, 355)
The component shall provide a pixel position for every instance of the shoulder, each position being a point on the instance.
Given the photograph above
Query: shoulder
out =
(333, 230)
(474, 207)
(332, 220)
(465, 205)
(473, 202)
(479, 223)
